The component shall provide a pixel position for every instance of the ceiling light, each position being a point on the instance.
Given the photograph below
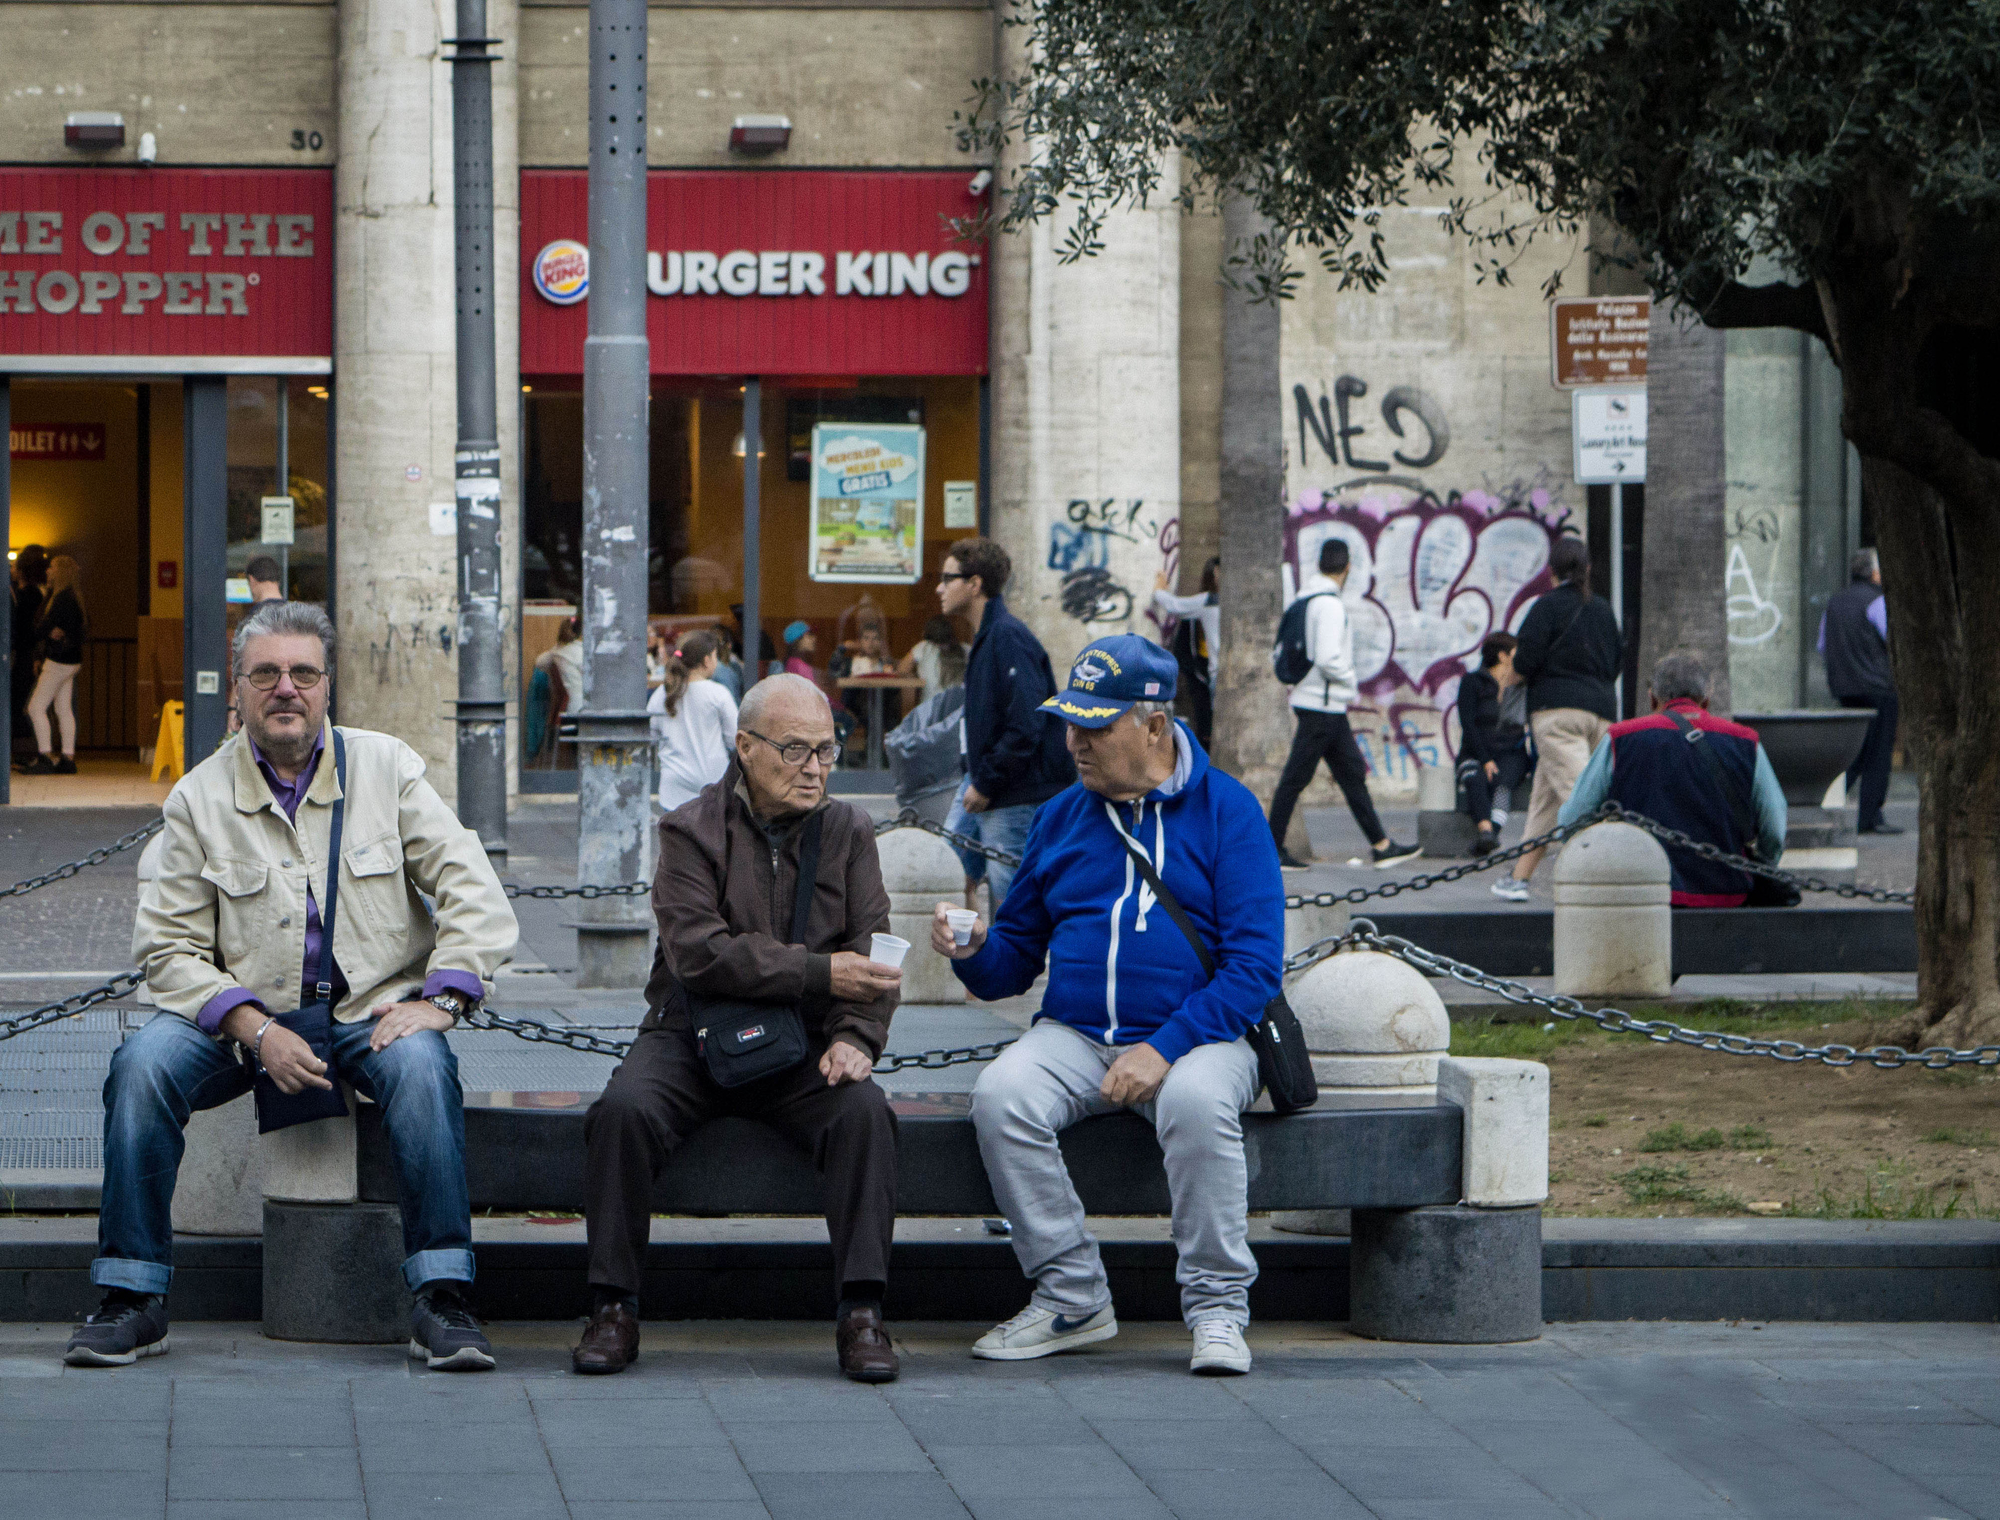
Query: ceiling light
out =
(760, 134)
(94, 129)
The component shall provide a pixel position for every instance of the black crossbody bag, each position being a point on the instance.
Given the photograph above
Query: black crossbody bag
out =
(1284, 1065)
(1765, 891)
(313, 1023)
(743, 1041)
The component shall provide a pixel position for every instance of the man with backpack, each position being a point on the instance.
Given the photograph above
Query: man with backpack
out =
(1314, 655)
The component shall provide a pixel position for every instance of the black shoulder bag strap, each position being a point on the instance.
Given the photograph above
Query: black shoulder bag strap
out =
(1283, 1064)
(324, 988)
(808, 873)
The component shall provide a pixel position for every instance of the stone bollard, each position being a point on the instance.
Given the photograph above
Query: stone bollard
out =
(920, 871)
(333, 1267)
(1468, 1273)
(1311, 924)
(1375, 1027)
(1442, 830)
(1614, 934)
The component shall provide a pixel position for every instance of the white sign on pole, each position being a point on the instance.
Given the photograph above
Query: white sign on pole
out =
(1608, 436)
(278, 520)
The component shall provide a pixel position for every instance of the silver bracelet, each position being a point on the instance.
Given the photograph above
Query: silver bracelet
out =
(257, 1045)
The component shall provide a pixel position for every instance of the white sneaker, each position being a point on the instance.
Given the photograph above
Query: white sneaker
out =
(1512, 890)
(1219, 1349)
(1036, 1331)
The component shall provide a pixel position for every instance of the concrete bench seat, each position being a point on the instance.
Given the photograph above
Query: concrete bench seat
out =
(1350, 1152)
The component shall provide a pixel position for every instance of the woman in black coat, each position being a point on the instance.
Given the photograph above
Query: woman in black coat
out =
(1493, 754)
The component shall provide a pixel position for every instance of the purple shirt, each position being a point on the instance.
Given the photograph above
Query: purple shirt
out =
(289, 794)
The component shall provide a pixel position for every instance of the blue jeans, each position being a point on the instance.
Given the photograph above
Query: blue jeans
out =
(961, 822)
(170, 1069)
(1004, 829)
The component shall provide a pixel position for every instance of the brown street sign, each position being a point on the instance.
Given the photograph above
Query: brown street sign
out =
(1598, 340)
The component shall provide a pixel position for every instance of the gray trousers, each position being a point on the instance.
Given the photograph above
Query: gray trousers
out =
(1045, 1082)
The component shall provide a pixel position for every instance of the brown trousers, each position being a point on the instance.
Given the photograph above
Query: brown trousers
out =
(662, 1094)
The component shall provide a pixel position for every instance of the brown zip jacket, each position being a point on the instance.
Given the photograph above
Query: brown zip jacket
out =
(723, 896)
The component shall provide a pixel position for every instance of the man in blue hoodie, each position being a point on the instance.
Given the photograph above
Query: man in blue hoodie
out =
(1129, 1019)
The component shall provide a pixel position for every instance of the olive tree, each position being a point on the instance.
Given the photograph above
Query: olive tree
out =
(1842, 147)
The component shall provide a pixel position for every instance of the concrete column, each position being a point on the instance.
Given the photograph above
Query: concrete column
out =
(394, 373)
(503, 20)
(1086, 416)
(920, 871)
(1506, 1138)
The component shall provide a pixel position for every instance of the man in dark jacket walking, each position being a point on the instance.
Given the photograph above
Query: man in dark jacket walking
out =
(1854, 641)
(1014, 758)
(724, 896)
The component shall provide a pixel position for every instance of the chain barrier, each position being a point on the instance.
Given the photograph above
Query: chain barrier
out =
(587, 892)
(70, 1007)
(908, 819)
(96, 857)
(1362, 932)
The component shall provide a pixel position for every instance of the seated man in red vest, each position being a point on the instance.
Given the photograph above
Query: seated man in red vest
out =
(1703, 775)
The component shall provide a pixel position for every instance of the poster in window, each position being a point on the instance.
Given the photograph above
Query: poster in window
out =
(867, 502)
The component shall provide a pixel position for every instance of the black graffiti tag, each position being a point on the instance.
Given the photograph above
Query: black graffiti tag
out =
(1336, 440)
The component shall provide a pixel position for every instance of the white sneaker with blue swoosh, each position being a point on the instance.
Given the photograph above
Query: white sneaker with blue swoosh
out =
(1036, 1331)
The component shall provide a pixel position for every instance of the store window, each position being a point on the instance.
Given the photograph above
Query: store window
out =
(278, 458)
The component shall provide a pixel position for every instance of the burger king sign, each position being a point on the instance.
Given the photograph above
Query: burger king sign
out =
(562, 272)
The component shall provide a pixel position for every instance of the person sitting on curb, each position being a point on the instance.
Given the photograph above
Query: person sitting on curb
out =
(1493, 738)
(1130, 1019)
(737, 928)
(242, 885)
(1692, 771)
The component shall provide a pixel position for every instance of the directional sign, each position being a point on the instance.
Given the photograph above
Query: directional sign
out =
(56, 440)
(1608, 435)
(1598, 341)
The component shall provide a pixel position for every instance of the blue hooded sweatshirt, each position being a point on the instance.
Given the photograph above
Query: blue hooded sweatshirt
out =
(1119, 969)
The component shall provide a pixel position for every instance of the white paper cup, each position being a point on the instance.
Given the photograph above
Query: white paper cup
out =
(961, 921)
(888, 950)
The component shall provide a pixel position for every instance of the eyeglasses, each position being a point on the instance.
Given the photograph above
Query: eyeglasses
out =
(266, 677)
(796, 752)
(952, 575)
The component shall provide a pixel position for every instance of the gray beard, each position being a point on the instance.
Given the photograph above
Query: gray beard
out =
(286, 753)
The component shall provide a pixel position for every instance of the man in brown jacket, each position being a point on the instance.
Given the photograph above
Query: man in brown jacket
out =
(724, 895)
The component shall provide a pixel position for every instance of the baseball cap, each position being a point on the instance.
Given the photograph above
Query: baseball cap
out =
(796, 630)
(1109, 676)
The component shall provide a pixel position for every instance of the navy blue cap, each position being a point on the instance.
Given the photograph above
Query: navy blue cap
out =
(1109, 676)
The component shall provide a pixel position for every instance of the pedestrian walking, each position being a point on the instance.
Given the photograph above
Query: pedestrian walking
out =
(1197, 642)
(694, 719)
(937, 659)
(1316, 640)
(274, 971)
(1014, 759)
(1854, 642)
(1493, 755)
(29, 574)
(60, 632)
(1569, 653)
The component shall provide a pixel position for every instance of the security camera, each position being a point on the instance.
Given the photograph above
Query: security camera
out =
(979, 182)
(148, 148)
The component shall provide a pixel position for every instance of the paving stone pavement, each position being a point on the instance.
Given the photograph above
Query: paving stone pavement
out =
(745, 1420)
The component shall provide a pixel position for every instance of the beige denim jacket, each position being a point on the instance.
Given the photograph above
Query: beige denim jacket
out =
(234, 871)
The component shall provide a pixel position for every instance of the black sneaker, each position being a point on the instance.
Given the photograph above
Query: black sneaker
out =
(445, 1334)
(1393, 854)
(1287, 861)
(1880, 826)
(1485, 844)
(126, 1326)
(41, 765)
(66, 766)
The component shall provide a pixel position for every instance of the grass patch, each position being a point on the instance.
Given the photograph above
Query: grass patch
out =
(1672, 1184)
(1959, 1137)
(1593, 1121)
(1941, 1200)
(1750, 1137)
(1678, 1137)
(1522, 1040)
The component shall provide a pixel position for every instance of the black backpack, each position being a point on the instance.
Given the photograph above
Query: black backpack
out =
(1290, 661)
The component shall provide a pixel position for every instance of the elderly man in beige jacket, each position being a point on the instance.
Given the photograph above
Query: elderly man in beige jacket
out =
(236, 938)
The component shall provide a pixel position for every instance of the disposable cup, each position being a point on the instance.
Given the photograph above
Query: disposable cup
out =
(888, 950)
(961, 921)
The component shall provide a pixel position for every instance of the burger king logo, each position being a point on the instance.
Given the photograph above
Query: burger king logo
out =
(562, 272)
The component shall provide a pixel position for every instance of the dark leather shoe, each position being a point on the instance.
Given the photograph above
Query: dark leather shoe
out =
(610, 1341)
(865, 1353)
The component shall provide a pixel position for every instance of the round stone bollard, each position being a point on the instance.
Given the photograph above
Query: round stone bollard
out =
(1614, 931)
(1449, 1275)
(1373, 1025)
(920, 871)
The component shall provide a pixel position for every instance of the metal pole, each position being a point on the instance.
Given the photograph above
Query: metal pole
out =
(1618, 587)
(8, 653)
(753, 531)
(614, 733)
(482, 679)
(284, 473)
(205, 681)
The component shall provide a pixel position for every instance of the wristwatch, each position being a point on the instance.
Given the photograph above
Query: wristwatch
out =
(453, 1003)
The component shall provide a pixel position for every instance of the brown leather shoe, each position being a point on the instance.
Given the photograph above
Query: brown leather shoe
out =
(610, 1341)
(865, 1353)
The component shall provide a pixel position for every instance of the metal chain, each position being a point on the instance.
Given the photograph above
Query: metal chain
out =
(536, 1032)
(70, 1007)
(1936, 1058)
(908, 819)
(588, 891)
(96, 857)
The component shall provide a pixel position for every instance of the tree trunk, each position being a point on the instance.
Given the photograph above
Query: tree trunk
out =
(1252, 722)
(1947, 664)
(1682, 591)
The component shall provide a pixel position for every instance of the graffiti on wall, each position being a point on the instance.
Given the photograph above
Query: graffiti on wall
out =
(1430, 578)
(1102, 548)
(1753, 617)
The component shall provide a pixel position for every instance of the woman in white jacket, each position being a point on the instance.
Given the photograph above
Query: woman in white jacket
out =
(694, 719)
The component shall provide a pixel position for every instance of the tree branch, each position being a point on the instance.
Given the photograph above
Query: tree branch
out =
(1773, 305)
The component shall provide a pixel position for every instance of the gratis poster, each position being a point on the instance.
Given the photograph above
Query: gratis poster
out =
(867, 502)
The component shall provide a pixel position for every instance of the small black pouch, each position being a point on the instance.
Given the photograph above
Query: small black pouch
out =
(742, 1041)
(276, 1108)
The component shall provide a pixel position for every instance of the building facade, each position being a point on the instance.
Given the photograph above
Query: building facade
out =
(249, 297)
